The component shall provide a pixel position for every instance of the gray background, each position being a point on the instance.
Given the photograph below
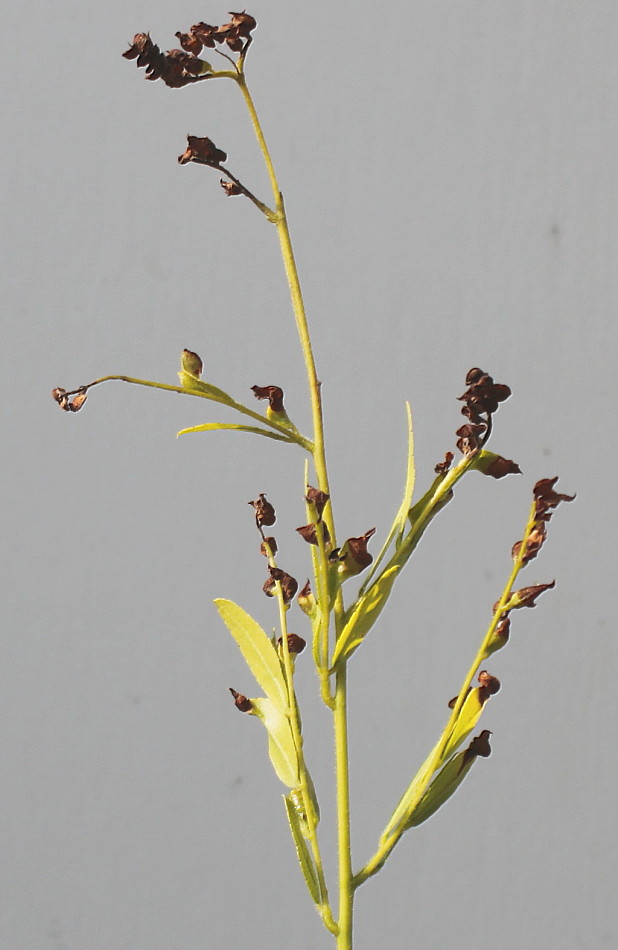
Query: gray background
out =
(449, 169)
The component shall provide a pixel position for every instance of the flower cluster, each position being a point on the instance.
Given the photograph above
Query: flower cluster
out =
(481, 401)
(179, 67)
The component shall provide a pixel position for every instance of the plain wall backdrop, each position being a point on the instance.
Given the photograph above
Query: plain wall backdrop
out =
(449, 168)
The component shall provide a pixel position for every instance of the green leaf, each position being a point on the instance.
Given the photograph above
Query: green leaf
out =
(466, 721)
(402, 514)
(304, 855)
(258, 651)
(364, 614)
(443, 786)
(281, 748)
(399, 524)
(212, 426)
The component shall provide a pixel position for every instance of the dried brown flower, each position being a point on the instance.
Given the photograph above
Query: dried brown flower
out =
(546, 498)
(443, 467)
(500, 636)
(353, 556)
(268, 547)
(489, 685)
(483, 395)
(289, 585)
(65, 401)
(274, 394)
(230, 188)
(478, 746)
(296, 644)
(496, 466)
(306, 600)
(264, 511)
(310, 533)
(526, 596)
(469, 441)
(317, 498)
(241, 702)
(203, 151)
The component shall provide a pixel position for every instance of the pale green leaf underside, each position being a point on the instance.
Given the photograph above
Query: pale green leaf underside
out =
(466, 721)
(364, 614)
(281, 748)
(258, 651)
(304, 855)
(443, 786)
(255, 430)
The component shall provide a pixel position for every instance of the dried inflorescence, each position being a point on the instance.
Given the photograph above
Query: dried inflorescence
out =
(236, 34)
(180, 67)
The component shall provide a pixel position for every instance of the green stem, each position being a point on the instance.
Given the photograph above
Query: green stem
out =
(346, 885)
(298, 305)
(346, 890)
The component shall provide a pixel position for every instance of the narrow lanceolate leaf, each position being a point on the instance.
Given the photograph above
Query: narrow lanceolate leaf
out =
(258, 651)
(255, 430)
(304, 855)
(401, 518)
(364, 614)
(402, 514)
(281, 748)
(448, 780)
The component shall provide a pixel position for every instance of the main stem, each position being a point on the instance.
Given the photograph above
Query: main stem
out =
(346, 888)
(298, 305)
